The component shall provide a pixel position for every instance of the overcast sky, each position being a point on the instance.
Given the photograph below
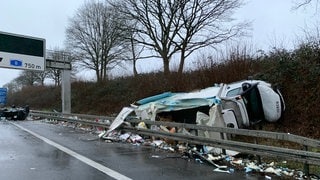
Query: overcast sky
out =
(274, 23)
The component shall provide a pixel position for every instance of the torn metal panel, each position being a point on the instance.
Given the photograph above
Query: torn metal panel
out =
(120, 118)
(168, 102)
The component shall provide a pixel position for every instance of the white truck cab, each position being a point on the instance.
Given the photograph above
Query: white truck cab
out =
(251, 101)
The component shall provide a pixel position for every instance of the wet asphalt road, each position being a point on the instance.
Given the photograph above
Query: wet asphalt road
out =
(56, 152)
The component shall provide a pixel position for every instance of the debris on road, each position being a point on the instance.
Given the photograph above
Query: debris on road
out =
(230, 162)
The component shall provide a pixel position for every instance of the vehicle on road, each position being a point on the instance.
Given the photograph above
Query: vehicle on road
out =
(14, 113)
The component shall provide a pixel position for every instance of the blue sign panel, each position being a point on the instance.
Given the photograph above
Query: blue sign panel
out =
(15, 62)
(3, 96)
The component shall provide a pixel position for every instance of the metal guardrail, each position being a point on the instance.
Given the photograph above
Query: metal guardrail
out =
(80, 116)
(301, 155)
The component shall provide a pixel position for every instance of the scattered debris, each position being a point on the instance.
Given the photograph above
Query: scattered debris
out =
(220, 170)
(207, 159)
(228, 163)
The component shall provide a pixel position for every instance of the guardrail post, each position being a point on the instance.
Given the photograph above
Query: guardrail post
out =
(222, 137)
(259, 157)
(306, 165)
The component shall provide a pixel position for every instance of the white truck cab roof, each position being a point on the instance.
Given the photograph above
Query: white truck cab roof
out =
(260, 98)
(235, 88)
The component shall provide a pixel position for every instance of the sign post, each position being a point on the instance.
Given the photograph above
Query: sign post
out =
(22, 52)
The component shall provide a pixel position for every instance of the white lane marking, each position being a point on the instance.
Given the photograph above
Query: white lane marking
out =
(80, 157)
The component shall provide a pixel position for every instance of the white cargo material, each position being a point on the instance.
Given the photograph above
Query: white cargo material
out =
(214, 119)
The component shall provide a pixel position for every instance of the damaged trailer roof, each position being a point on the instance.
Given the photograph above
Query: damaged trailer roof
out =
(168, 101)
(147, 108)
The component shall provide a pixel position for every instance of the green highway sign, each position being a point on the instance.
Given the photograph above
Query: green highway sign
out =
(22, 52)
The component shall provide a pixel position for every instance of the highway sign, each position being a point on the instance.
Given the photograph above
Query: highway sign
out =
(3, 96)
(22, 52)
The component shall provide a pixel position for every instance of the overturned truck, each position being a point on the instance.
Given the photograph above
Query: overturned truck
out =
(14, 113)
(237, 105)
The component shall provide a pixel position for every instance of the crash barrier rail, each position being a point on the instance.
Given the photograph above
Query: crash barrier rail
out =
(301, 155)
(80, 116)
(74, 118)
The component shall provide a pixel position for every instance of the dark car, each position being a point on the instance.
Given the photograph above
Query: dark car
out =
(14, 113)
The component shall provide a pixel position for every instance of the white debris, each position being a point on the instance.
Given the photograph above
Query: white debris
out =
(155, 156)
(237, 162)
(102, 134)
(271, 164)
(136, 138)
(220, 170)
(171, 149)
(124, 137)
(182, 148)
(157, 142)
(286, 173)
(273, 171)
(215, 158)
(267, 177)
(163, 128)
(252, 165)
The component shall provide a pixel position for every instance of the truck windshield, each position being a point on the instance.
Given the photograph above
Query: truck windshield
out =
(234, 92)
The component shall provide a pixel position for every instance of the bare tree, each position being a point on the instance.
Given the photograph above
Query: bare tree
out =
(303, 3)
(30, 78)
(170, 27)
(12, 87)
(61, 56)
(135, 51)
(95, 36)
(135, 55)
(55, 75)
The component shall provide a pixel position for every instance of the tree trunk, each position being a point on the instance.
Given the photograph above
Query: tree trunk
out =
(98, 75)
(166, 67)
(134, 59)
(181, 65)
(135, 72)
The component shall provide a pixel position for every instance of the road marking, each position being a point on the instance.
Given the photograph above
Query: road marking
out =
(100, 167)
